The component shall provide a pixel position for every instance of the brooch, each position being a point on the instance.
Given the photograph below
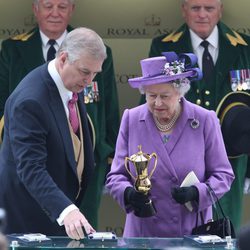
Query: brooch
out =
(195, 123)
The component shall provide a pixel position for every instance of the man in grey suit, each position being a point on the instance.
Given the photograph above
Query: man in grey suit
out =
(45, 166)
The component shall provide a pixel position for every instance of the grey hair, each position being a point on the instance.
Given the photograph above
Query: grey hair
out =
(83, 41)
(181, 87)
(37, 1)
(185, 1)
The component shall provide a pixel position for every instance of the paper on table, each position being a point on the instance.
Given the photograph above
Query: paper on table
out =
(189, 180)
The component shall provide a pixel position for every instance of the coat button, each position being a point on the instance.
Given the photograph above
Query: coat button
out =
(175, 219)
(207, 103)
(198, 101)
(207, 92)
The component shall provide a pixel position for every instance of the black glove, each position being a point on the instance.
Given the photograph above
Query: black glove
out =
(185, 194)
(136, 199)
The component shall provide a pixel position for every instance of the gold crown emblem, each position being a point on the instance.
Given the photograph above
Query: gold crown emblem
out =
(152, 20)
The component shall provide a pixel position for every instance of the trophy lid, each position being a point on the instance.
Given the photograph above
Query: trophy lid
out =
(140, 156)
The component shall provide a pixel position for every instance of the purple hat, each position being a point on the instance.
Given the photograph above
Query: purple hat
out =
(167, 68)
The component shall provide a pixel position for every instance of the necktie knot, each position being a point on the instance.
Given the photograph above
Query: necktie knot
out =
(74, 98)
(205, 44)
(73, 118)
(51, 42)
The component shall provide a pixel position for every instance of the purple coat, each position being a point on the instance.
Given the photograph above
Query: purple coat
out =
(189, 149)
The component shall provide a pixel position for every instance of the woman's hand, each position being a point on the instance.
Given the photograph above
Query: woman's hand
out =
(136, 199)
(185, 194)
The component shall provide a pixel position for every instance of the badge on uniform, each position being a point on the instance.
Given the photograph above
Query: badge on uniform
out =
(240, 79)
(91, 93)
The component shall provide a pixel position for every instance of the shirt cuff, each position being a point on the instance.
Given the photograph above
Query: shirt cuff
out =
(64, 213)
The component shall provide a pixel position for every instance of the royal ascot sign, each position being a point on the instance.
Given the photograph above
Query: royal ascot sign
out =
(151, 27)
(118, 18)
(128, 18)
(28, 23)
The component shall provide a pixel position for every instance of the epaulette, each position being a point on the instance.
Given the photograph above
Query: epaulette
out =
(237, 39)
(23, 37)
(173, 37)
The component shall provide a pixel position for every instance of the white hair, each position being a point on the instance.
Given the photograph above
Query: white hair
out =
(83, 41)
(182, 87)
(37, 1)
(185, 1)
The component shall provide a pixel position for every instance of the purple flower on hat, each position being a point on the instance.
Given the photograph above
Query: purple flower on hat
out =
(173, 68)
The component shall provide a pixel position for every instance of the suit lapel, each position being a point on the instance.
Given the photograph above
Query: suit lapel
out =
(156, 140)
(57, 108)
(164, 151)
(180, 125)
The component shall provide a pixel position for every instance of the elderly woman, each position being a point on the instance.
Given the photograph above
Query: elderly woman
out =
(185, 138)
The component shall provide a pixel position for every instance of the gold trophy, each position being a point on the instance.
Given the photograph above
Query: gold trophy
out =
(142, 183)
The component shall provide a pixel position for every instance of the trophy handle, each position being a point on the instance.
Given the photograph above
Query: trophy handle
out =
(126, 160)
(155, 156)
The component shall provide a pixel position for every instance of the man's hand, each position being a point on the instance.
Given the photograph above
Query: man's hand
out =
(74, 223)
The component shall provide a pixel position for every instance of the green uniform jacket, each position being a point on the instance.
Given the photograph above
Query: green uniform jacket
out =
(234, 54)
(21, 54)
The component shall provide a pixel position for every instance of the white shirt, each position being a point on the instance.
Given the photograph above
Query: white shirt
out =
(65, 95)
(213, 46)
(46, 45)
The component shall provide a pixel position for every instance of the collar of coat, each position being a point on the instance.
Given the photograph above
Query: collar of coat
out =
(232, 36)
(27, 35)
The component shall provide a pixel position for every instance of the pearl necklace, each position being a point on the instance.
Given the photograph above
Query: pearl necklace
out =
(169, 125)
